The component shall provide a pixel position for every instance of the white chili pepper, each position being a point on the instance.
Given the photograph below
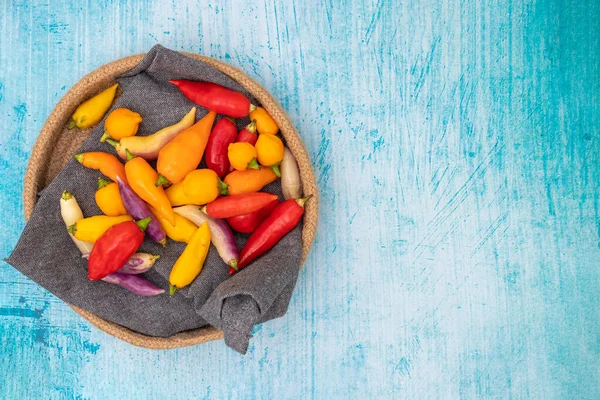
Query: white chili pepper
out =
(290, 176)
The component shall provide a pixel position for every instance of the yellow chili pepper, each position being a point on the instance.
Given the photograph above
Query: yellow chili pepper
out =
(108, 198)
(264, 122)
(91, 228)
(270, 151)
(176, 195)
(202, 186)
(242, 156)
(189, 264)
(183, 229)
(92, 111)
(121, 123)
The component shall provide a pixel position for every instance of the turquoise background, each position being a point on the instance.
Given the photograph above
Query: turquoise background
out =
(456, 145)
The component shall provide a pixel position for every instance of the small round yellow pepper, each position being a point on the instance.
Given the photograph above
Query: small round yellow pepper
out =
(121, 123)
(242, 156)
(270, 151)
(201, 186)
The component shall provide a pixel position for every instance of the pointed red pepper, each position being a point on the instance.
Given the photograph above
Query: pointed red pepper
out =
(281, 221)
(222, 135)
(216, 98)
(247, 223)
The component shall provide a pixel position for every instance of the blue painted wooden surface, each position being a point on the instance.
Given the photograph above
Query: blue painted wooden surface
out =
(456, 145)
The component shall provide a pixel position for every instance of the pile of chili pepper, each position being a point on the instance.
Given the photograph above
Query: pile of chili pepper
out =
(177, 200)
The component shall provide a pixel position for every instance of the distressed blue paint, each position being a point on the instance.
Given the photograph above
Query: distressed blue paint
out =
(456, 145)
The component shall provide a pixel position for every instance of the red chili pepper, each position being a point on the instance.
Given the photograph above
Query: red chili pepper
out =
(281, 221)
(248, 134)
(216, 98)
(247, 223)
(222, 135)
(232, 206)
(112, 250)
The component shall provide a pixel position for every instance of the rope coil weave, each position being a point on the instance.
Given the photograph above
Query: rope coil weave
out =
(54, 147)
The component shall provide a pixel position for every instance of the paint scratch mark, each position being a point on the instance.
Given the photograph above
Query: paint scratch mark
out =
(490, 231)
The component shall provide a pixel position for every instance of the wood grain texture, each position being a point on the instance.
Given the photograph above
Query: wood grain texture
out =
(456, 145)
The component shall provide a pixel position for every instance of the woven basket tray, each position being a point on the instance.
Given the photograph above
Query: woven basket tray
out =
(54, 148)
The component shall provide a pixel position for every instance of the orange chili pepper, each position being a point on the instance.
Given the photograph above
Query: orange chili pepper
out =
(142, 180)
(250, 180)
(183, 154)
(108, 164)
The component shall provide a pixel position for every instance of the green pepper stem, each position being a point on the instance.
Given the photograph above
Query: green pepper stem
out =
(105, 136)
(79, 157)
(129, 155)
(72, 229)
(251, 127)
(71, 125)
(162, 181)
(253, 164)
(113, 143)
(252, 108)
(66, 195)
(231, 119)
(275, 169)
(102, 183)
(223, 187)
(143, 223)
(203, 209)
(172, 290)
(155, 257)
(303, 200)
(233, 264)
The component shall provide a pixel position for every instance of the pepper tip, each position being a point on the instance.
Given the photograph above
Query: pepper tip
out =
(303, 200)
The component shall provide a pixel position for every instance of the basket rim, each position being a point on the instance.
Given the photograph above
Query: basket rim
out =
(103, 77)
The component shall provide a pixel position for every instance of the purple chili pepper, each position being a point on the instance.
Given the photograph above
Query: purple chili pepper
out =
(139, 263)
(134, 283)
(136, 264)
(137, 208)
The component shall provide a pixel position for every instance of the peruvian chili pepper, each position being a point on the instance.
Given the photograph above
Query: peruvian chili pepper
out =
(232, 206)
(222, 135)
(270, 151)
(148, 147)
(183, 154)
(142, 178)
(247, 223)
(250, 180)
(108, 164)
(216, 98)
(248, 134)
(281, 221)
(112, 250)
(264, 122)
(92, 111)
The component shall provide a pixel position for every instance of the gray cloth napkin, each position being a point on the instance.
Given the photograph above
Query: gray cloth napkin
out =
(235, 304)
